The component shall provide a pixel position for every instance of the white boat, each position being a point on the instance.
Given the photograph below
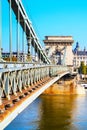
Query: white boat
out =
(84, 85)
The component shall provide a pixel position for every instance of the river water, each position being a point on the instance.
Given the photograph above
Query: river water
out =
(53, 113)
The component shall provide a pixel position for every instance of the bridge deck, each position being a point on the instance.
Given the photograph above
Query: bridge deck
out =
(11, 108)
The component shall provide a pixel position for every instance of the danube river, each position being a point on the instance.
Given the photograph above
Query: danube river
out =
(53, 113)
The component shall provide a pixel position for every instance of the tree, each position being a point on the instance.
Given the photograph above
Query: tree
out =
(82, 68)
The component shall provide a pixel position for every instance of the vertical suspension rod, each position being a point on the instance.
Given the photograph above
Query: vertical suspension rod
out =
(10, 30)
(34, 52)
(18, 33)
(37, 54)
(23, 48)
(24, 39)
(40, 56)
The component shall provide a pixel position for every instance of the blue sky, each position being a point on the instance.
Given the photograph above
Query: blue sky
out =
(59, 17)
(55, 17)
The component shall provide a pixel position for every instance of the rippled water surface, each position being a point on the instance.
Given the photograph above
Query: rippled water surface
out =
(53, 113)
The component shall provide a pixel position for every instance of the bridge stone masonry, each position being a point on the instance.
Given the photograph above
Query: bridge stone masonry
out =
(63, 87)
(59, 49)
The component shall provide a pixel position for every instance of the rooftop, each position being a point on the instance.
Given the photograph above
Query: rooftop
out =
(56, 39)
(81, 52)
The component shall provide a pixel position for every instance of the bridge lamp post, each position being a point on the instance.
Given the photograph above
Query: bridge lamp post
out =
(39, 55)
(38, 51)
(35, 50)
(29, 40)
(32, 51)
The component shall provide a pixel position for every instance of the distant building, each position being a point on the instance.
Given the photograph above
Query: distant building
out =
(59, 49)
(23, 57)
(79, 56)
(6, 56)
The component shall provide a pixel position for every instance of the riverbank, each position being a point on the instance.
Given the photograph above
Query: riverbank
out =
(67, 87)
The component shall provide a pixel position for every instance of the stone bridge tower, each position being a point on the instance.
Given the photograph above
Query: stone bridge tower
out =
(59, 49)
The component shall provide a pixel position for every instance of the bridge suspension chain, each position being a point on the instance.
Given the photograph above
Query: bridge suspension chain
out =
(29, 29)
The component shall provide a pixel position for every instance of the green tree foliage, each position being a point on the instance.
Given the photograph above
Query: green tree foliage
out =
(83, 68)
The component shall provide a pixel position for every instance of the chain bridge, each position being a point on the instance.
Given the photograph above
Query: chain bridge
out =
(23, 75)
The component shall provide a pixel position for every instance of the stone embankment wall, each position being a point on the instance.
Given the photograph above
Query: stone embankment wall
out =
(67, 87)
